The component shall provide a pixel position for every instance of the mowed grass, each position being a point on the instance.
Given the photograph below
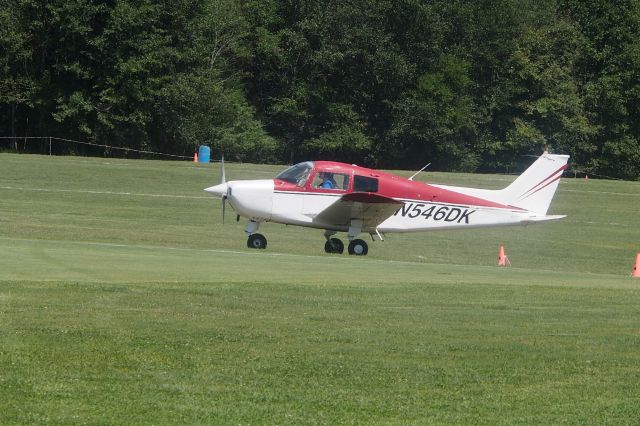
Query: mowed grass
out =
(124, 300)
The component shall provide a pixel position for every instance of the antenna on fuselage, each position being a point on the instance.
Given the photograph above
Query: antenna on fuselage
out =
(416, 173)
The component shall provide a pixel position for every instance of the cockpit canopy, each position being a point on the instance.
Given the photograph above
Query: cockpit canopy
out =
(297, 174)
(328, 176)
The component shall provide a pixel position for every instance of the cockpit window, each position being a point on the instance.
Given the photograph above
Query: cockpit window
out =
(330, 180)
(365, 184)
(297, 174)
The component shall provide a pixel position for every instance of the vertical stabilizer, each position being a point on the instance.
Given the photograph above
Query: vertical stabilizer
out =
(533, 190)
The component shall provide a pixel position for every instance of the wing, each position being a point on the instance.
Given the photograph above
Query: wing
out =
(372, 209)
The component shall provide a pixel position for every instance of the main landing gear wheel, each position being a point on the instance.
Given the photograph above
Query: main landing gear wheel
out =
(333, 245)
(257, 241)
(358, 248)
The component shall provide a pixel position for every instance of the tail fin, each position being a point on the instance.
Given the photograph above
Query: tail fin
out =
(533, 190)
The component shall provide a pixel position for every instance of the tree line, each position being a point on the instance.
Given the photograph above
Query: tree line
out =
(464, 84)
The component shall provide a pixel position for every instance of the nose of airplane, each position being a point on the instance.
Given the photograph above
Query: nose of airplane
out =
(219, 190)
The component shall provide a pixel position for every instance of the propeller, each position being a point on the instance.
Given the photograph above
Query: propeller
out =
(223, 180)
(224, 206)
(221, 190)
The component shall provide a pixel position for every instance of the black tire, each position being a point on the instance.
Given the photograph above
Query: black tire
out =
(358, 248)
(334, 245)
(257, 241)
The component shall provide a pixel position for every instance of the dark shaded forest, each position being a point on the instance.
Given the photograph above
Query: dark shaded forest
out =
(465, 85)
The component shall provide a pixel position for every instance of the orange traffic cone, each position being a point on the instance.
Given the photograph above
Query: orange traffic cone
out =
(503, 260)
(636, 269)
(195, 157)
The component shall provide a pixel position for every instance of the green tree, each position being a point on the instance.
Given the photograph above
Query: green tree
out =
(435, 122)
(17, 86)
(101, 70)
(326, 71)
(610, 74)
(547, 106)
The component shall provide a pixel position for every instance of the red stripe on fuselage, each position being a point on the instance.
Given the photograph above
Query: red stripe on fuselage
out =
(393, 186)
(419, 191)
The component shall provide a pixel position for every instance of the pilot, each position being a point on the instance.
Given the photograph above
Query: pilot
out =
(327, 181)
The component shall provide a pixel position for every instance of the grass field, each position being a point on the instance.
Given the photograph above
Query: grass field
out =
(124, 300)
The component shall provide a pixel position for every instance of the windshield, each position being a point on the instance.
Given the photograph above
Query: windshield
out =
(297, 174)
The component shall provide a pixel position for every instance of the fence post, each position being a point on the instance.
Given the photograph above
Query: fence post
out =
(49, 145)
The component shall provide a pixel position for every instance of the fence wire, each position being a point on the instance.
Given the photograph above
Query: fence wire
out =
(51, 139)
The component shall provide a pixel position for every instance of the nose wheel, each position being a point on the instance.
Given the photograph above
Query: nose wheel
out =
(358, 247)
(257, 241)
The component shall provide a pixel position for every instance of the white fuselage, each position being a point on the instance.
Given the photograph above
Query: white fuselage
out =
(258, 201)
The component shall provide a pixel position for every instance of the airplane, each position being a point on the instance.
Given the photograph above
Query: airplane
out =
(339, 197)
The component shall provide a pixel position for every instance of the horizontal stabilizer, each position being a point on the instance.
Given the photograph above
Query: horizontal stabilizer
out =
(535, 219)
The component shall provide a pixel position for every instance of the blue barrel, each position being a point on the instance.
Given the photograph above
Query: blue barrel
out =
(204, 154)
